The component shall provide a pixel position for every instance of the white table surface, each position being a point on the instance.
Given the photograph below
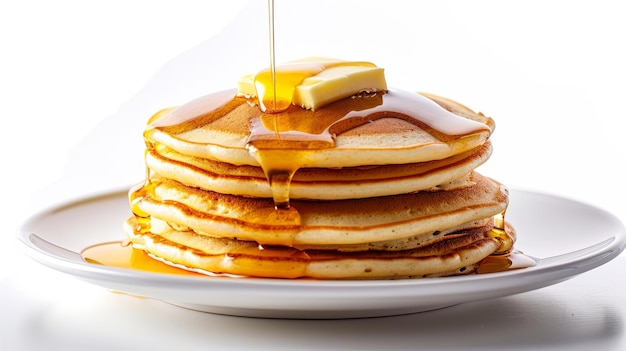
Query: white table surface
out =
(76, 91)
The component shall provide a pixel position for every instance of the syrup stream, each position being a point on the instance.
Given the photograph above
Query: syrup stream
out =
(270, 9)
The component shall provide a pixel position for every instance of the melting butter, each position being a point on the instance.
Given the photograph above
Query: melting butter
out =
(311, 83)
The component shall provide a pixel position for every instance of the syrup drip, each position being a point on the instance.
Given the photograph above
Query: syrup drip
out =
(506, 257)
(500, 233)
(280, 182)
(135, 196)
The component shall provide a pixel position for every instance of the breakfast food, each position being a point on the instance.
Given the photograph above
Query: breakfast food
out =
(326, 173)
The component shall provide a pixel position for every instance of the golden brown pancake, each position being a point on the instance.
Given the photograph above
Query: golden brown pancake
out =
(373, 136)
(339, 222)
(319, 183)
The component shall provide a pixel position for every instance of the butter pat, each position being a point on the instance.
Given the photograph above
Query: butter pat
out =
(337, 83)
(312, 84)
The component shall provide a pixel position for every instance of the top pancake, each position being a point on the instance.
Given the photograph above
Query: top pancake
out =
(393, 128)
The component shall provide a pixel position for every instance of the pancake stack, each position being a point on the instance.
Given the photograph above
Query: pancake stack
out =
(380, 184)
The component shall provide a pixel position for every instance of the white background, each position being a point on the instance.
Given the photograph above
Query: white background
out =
(78, 79)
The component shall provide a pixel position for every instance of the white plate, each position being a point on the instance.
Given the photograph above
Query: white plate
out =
(567, 238)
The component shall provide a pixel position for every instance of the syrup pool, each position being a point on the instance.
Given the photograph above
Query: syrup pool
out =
(119, 254)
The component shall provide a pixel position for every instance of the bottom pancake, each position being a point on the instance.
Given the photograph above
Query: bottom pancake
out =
(456, 253)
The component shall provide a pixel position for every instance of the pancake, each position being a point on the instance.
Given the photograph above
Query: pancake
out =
(319, 183)
(339, 222)
(364, 131)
